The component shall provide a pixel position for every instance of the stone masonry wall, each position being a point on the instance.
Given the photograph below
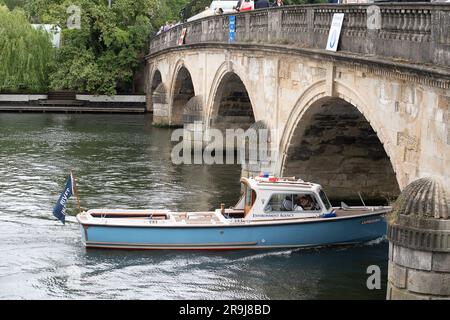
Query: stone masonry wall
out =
(415, 274)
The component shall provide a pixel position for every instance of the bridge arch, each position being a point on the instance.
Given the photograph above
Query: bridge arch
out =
(337, 142)
(182, 91)
(154, 81)
(230, 103)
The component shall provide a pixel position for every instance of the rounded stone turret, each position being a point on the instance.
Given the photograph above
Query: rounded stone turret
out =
(424, 198)
(419, 242)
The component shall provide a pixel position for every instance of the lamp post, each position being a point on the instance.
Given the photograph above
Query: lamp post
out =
(109, 3)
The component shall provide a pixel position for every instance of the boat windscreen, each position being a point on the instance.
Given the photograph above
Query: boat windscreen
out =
(325, 200)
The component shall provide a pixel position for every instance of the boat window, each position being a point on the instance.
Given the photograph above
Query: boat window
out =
(243, 188)
(297, 202)
(325, 200)
(250, 197)
(241, 196)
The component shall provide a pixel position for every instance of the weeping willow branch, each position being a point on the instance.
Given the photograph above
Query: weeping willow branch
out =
(25, 54)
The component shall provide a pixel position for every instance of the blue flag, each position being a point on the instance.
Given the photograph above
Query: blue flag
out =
(60, 208)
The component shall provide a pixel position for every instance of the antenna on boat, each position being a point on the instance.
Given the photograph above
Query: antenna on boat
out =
(359, 194)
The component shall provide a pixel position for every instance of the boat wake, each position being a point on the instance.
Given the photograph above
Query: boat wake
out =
(375, 242)
(71, 219)
(275, 253)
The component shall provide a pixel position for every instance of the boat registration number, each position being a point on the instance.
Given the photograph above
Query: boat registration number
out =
(369, 221)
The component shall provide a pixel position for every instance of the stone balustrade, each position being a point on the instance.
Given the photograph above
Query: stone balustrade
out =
(417, 32)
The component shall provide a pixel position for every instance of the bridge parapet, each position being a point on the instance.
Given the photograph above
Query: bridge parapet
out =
(417, 32)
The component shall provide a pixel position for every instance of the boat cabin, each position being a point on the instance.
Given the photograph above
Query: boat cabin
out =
(270, 197)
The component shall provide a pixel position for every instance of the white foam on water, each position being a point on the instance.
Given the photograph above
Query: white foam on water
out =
(71, 219)
(376, 241)
(284, 253)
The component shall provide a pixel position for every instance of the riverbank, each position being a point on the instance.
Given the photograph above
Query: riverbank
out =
(67, 102)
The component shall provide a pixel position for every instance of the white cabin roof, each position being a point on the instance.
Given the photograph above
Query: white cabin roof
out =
(281, 184)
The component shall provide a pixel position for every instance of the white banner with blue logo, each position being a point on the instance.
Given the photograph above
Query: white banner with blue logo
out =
(335, 31)
(60, 208)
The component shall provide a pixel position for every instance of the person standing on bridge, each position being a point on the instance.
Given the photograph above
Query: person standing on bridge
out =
(166, 27)
(261, 4)
(238, 6)
(278, 3)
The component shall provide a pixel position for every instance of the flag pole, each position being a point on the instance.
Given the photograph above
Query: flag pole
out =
(75, 189)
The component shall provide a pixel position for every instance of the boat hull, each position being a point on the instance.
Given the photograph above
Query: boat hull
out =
(324, 232)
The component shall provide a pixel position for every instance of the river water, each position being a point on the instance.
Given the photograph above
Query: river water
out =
(121, 161)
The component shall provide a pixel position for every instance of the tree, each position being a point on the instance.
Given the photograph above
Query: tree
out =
(167, 11)
(25, 53)
(102, 55)
(12, 4)
(193, 7)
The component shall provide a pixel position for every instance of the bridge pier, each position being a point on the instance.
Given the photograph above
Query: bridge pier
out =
(161, 114)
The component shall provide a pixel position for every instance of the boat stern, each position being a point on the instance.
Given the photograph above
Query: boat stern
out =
(83, 219)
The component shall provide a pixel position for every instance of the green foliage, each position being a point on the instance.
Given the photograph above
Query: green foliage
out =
(12, 4)
(167, 11)
(193, 7)
(25, 53)
(102, 56)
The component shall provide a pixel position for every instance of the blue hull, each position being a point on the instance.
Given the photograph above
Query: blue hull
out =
(256, 236)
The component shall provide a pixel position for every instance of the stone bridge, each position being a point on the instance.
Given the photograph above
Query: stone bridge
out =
(371, 117)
